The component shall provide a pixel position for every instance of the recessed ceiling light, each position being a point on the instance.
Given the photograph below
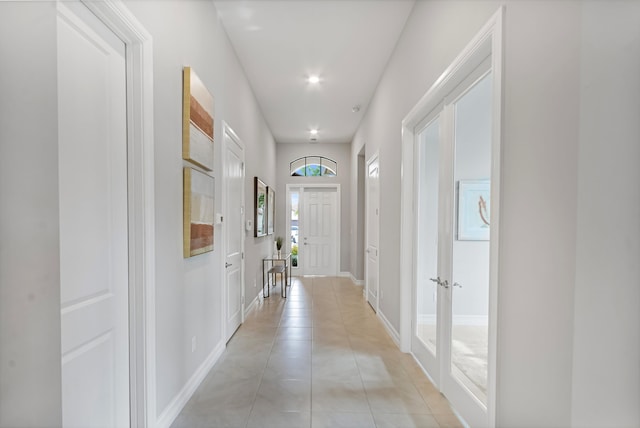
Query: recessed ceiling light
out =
(356, 108)
(313, 79)
(314, 132)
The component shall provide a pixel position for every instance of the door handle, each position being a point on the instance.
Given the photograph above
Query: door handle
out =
(455, 284)
(436, 280)
(226, 265)
(445, 284)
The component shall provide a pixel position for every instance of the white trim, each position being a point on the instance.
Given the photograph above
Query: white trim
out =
(345, 274)
(254, 304)
(139, 59)
(176, 405)
(395, 336)
(489, 41)
(356, 281)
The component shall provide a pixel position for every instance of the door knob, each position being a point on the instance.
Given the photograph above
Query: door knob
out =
(226, 265)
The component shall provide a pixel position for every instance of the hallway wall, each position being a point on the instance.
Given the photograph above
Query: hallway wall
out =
(551, 165)
(30, 371)
(189, 291)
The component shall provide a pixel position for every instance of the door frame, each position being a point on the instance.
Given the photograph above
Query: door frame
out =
(301, 188)
(374, 156)
(487, 42)
(141, 205)
(227, 130)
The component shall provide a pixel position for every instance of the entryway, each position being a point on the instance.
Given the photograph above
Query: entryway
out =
(313, 221)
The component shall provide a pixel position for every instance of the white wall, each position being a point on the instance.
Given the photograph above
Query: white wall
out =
(606, 346)
(189, 291)
(287, 152)
(30, 381)
(543, 133)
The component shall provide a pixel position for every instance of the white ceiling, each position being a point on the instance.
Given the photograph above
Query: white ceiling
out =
(281, 42)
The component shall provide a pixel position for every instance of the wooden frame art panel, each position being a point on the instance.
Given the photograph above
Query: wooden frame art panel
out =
(197, 121)
(198, 215)
(260, 211)
(271, 210)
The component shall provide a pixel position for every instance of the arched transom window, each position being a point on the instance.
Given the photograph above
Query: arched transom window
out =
(314, 166)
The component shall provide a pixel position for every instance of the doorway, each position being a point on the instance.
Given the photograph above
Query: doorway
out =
(313, 219)
(451, 161)
(114, 24)
(372, 202)
(234, 214)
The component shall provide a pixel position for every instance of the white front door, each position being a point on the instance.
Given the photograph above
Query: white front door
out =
(94, 252)
(372, 192)
(319, 231)
(233, 230)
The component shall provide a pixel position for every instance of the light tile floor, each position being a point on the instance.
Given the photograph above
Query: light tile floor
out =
(319, 358)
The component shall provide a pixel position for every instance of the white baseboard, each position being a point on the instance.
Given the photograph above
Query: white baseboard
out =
(395, 336)
(174, 408)
(255, 302)
(356, 281)
(344, 274)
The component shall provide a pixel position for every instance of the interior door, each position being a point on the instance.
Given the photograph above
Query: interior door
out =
(320, 231)
(468, 246)
(373, 231)
(452, 245)
(94, 274)
(234, 231)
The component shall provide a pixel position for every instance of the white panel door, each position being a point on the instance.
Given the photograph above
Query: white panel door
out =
(372, 192)
(319, 231)
(233, 231)
(93, 221)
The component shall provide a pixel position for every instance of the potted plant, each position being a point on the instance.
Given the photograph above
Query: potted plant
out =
(279, 244)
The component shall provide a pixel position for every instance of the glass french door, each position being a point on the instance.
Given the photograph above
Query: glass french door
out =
(453, 152)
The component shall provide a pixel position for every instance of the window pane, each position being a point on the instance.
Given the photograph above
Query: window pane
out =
(298, 167)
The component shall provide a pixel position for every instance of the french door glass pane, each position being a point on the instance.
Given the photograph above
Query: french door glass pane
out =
(427, 242)
(470, 273)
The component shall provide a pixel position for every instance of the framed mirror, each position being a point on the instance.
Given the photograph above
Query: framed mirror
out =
(271, 210)
(260, 213)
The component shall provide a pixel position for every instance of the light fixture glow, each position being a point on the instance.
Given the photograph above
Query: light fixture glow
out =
(313, 79)
(314, 132)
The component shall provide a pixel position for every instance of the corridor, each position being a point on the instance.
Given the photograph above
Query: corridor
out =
(320, 358)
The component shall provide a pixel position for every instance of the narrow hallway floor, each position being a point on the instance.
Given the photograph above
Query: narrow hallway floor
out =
(319, 358)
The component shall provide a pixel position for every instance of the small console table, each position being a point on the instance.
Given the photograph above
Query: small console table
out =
(273, 266)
